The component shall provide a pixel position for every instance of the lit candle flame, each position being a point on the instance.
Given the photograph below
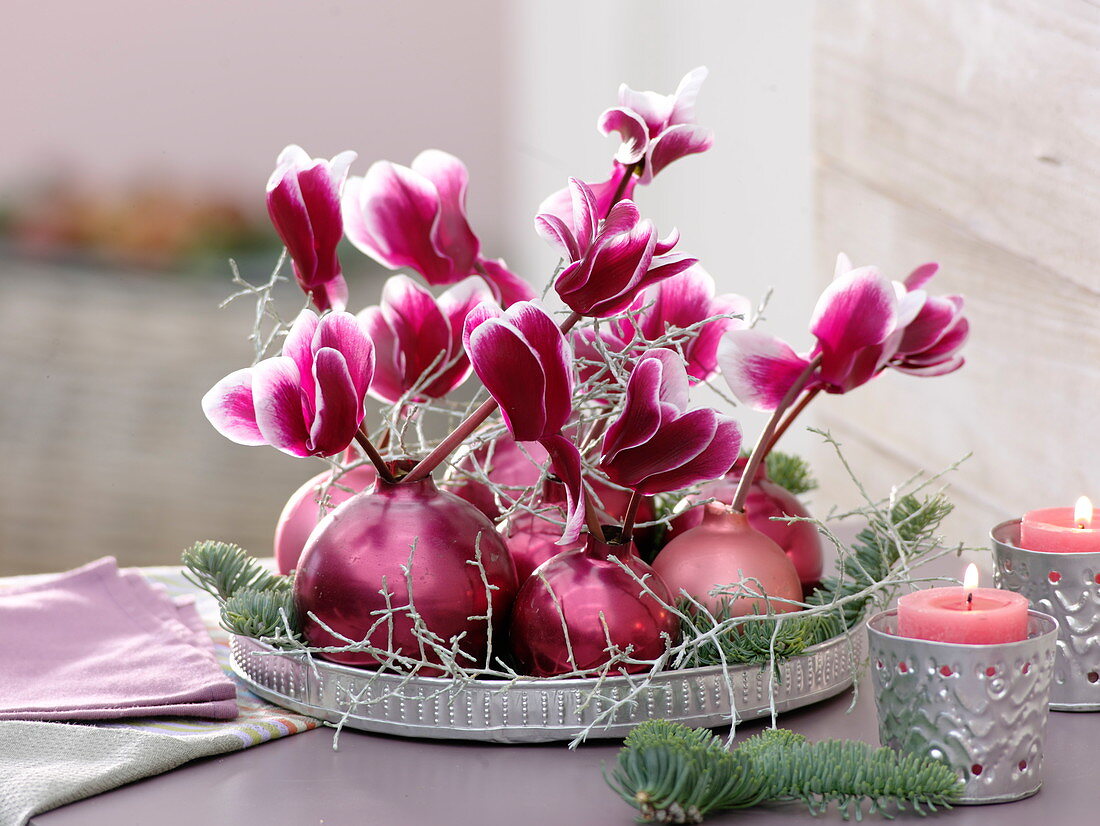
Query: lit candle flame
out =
(1082, 513)
(970, 578)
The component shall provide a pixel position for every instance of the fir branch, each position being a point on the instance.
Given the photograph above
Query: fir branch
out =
(790, 471)
(261, 614)
(755, 641)
(222, 569)
(850, 774)
(674, 774)
(912, 522)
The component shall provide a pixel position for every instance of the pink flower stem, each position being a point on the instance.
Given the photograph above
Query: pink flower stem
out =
(375, 457)
(465, 428)
(764, 442)
(621, 188)
(631, 515)
(591, 518)
(808, 397)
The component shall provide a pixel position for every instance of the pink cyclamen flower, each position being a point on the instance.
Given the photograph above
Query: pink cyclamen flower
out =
(303, 200)
(526, 364)
(931, 342)
(309, 401)
(610, 261)
(863, 324)
(416, 218)
(605, 194)
(656, 444)
(681, 302)
(418, 338)
(657, 129)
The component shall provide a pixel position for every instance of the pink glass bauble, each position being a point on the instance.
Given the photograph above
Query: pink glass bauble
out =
(369, 538)
(532, 538)
(302, 512)
(578, 586)
(718, 552)
(507, 465)
(800, 540)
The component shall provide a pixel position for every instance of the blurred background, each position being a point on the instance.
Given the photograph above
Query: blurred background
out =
(139, 139)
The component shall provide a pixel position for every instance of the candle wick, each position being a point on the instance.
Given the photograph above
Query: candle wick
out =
(970, 601)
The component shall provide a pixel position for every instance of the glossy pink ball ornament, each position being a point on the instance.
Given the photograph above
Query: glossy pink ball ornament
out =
(507, 465)
(532, 538)
(302, 511)
(718, 552)
(799, 540)
(369, 537)
(586, 582)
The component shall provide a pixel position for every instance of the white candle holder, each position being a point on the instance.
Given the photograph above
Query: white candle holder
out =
(1066, 586)
(982, 709)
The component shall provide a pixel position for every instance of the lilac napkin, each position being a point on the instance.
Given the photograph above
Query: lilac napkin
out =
(98, 643)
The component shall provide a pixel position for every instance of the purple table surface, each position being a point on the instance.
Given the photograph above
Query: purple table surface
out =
(375, 779)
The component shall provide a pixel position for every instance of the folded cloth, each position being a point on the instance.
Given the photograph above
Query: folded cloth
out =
(45, 765)
(97, 643)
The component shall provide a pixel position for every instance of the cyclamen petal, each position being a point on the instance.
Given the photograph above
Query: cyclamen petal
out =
(309, 401)
(655, 446)
(389, 214)
(418, 338)
(857, 310)
(337, 416)
(656, 129)
(758, 367)
(525, 363)
(678, 142)
(641, 414)
(303, 200)
(632, 129)
(618, 264)
(451, 234)
(683, 301)
(298, 346)
(228, 405)
(342, 334)
(280, 408)
(565, 461)
(683, 107)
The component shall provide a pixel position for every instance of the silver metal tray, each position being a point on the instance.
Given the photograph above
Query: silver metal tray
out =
(540, 710)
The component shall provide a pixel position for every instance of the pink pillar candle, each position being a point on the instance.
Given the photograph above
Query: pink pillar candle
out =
(1060, 530)
(945, 615)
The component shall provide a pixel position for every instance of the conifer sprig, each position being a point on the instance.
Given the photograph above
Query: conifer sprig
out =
(674, 774)
(222, 569)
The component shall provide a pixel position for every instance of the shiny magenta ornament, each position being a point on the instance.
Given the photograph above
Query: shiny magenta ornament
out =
(532, 538)
(369, 538)
(799, 540)
(506, 463)
(719, 552)
(580, 585)
(302, 511)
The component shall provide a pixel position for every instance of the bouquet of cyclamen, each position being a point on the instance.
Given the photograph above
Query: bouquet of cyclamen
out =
(529, 546)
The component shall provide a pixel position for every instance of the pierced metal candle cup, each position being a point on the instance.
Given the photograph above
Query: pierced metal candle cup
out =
(982, 709)
(1066, 586)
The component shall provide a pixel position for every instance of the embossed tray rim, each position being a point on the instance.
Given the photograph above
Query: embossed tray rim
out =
(497, 691)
